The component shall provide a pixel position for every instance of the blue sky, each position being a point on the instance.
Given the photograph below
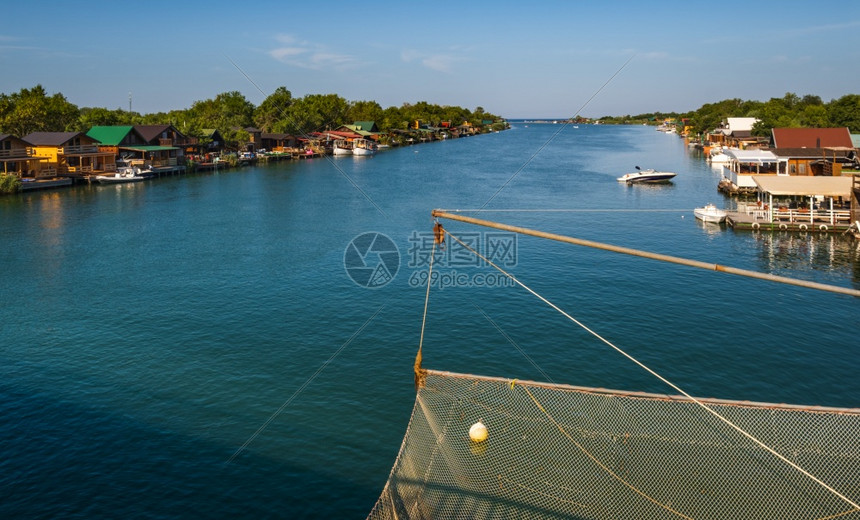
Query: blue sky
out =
(515, 60)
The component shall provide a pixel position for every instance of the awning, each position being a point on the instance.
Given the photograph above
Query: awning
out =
(806, 186)
(752, 156)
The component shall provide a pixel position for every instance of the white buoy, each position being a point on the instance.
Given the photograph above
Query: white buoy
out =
(478, 432)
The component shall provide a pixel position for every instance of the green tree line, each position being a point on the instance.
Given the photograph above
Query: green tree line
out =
(33, 110)
(789, 111)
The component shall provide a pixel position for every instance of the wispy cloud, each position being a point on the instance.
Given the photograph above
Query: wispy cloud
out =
(309, 55)
(440, 62)
(829, 28)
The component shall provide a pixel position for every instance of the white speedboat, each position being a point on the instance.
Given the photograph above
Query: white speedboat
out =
(710, 213)
(124, 174)
(363, 147)
(650, 175)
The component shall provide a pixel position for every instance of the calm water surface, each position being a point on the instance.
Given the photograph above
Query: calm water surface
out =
(149, 331)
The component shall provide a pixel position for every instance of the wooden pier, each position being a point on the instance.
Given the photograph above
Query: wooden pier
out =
(44, 184)
(758, 222)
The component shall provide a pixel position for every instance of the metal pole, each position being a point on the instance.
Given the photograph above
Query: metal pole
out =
(438, 213)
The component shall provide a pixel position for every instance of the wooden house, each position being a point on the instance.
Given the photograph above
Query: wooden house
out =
(164, 146)
(735, 132)
(116, 139)
(211, 141)
(814, 151)
(16, 157)
(70, 154)
(255, 136)
(278, 142)
(366, 129)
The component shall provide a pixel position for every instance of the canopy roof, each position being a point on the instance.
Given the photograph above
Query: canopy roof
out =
(809, 186)
(751, 156)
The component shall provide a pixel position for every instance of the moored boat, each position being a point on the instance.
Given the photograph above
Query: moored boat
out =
(124, 174)
(710, 213)
(341, 147)
(363, 147)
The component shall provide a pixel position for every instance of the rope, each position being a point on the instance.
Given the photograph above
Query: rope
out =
(566, 210)
(646, 254)
(419, 374)
(661, 378)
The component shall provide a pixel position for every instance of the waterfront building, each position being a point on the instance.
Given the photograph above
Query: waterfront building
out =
(70, 154)
(16, 157)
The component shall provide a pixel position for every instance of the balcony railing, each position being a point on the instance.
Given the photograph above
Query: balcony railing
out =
(84, 148)
(178, 141)
(16, 153)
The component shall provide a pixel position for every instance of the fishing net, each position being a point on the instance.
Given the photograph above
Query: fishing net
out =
(558, 451)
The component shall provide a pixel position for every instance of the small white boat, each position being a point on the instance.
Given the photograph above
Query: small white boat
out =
(717, 156)
(363, 147)
(124, 174)
(341, 147)
(650, 175)
(710, 213)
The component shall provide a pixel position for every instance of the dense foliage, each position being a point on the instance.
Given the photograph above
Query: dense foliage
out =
(789, 111)
(9, 183)
(32, 110)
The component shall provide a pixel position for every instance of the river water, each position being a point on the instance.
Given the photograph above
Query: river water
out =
(233, 344)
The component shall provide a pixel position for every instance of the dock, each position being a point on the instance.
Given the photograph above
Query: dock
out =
(44, 184)
(743, 221)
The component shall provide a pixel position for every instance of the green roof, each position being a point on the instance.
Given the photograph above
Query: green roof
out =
(109, 135)
(366, 126)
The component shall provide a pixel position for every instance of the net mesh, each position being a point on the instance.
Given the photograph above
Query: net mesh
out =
(557, 451)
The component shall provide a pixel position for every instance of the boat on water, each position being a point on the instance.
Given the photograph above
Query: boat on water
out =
(124, 174)
(341, 147)
(710, 213)
(495, 447)
(646, 176)
(718, 156)
(363, 146)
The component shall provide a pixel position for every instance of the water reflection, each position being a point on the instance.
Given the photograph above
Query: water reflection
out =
(711, 228)
(798, 252)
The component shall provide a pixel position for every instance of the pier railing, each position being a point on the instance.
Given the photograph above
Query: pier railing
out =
(764, 213)
(815, 216)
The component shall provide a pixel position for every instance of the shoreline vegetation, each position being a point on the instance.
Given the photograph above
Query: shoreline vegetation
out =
(789, 111)
(33, 110)
(233, 116)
